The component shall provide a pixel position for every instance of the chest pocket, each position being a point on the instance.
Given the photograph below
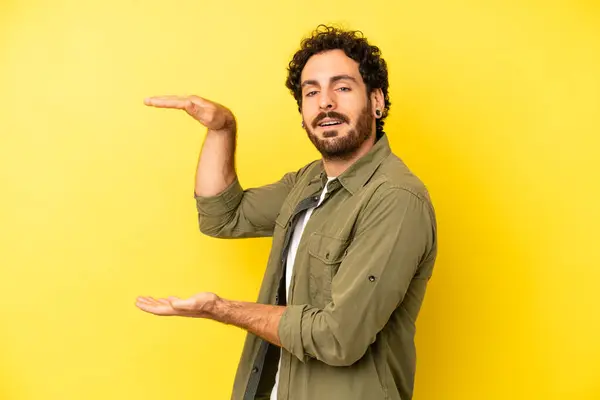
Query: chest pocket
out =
(325, 256)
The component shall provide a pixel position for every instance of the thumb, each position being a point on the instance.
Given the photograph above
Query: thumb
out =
(182, 304)
(195, 105)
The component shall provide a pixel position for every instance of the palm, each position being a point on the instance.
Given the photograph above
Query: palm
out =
(194, 306)
(208, 113)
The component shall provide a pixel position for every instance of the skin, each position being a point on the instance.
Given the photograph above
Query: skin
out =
(332, 87)
(331, 82)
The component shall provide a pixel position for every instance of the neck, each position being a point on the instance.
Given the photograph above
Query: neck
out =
(337, 165)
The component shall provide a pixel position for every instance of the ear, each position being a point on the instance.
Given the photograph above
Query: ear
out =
(377, 103)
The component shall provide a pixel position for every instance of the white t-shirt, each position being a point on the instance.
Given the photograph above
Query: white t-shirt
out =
(291, 256)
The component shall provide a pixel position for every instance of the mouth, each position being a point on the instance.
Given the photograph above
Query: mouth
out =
(330, 123)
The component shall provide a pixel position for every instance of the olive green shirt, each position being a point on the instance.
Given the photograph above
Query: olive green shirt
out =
(358, 282)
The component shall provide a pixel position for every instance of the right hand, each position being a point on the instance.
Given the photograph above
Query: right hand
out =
(212, 115)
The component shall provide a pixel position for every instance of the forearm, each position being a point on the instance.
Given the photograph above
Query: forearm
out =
(216, 163)
(259, 319)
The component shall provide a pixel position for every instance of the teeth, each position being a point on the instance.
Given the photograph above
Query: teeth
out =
(330, 123)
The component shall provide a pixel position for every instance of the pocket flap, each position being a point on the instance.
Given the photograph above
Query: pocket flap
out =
(284, 215)
(329, 250)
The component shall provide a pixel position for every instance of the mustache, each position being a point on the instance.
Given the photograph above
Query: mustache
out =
(330, 114)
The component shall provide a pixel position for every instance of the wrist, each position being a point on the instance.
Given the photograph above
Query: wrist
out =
(227, 124)
(215, 308)
(230, 124)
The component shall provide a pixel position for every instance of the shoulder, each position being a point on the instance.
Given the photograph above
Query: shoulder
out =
(394, 179)
(397, 197)
(307, 171)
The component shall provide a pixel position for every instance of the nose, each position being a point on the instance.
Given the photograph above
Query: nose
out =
(326, 102)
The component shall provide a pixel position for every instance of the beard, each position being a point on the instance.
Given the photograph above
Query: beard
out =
(336, 147)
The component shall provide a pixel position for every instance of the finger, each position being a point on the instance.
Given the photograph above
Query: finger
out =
(144, 306)
(156, 309)
(176, 102)
(144, 300)
(197, 106)
(199, 101)
(151, 303)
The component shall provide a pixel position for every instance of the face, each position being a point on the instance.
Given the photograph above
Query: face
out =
(338, 114)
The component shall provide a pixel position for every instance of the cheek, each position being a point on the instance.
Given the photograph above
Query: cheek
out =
(352, 108)
(309, 113)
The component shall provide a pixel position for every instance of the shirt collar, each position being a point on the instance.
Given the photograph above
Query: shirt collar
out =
(355, 176)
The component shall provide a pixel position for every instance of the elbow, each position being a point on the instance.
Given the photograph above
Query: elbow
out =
(331, 341)
(209, 230)
(211, 227)
(341, 350)
(344, 357)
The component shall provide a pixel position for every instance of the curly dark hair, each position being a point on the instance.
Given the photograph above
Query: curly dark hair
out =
(372, 67)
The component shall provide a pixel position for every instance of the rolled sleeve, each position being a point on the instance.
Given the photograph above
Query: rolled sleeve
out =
(290, 330)
(243, 213)
(222, 203)
(394, 236)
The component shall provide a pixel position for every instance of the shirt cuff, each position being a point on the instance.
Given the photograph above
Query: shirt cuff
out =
(290, 330)
(221, 203)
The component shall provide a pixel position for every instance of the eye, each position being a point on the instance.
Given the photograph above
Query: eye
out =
(344, 89)
(312, 93)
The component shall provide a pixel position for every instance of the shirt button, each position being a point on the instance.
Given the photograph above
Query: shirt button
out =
(372, 278)
(254, 370)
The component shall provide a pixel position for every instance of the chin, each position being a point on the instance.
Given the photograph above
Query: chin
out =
(334, 134)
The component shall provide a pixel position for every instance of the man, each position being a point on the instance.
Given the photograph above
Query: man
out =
(354, 238)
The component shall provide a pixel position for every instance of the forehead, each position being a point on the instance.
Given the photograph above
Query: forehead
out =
(321, 67)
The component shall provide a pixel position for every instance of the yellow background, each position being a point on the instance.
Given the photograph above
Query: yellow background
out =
(495, 106)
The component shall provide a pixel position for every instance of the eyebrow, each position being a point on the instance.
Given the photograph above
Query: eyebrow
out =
(332, 80)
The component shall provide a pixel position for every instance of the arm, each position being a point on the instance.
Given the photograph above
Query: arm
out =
(259, 319)
(216, 163)
(394, 235)
(216, 167)
(239, 213)
(225, 210)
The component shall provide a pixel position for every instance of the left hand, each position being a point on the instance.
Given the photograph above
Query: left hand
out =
(199, 305)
